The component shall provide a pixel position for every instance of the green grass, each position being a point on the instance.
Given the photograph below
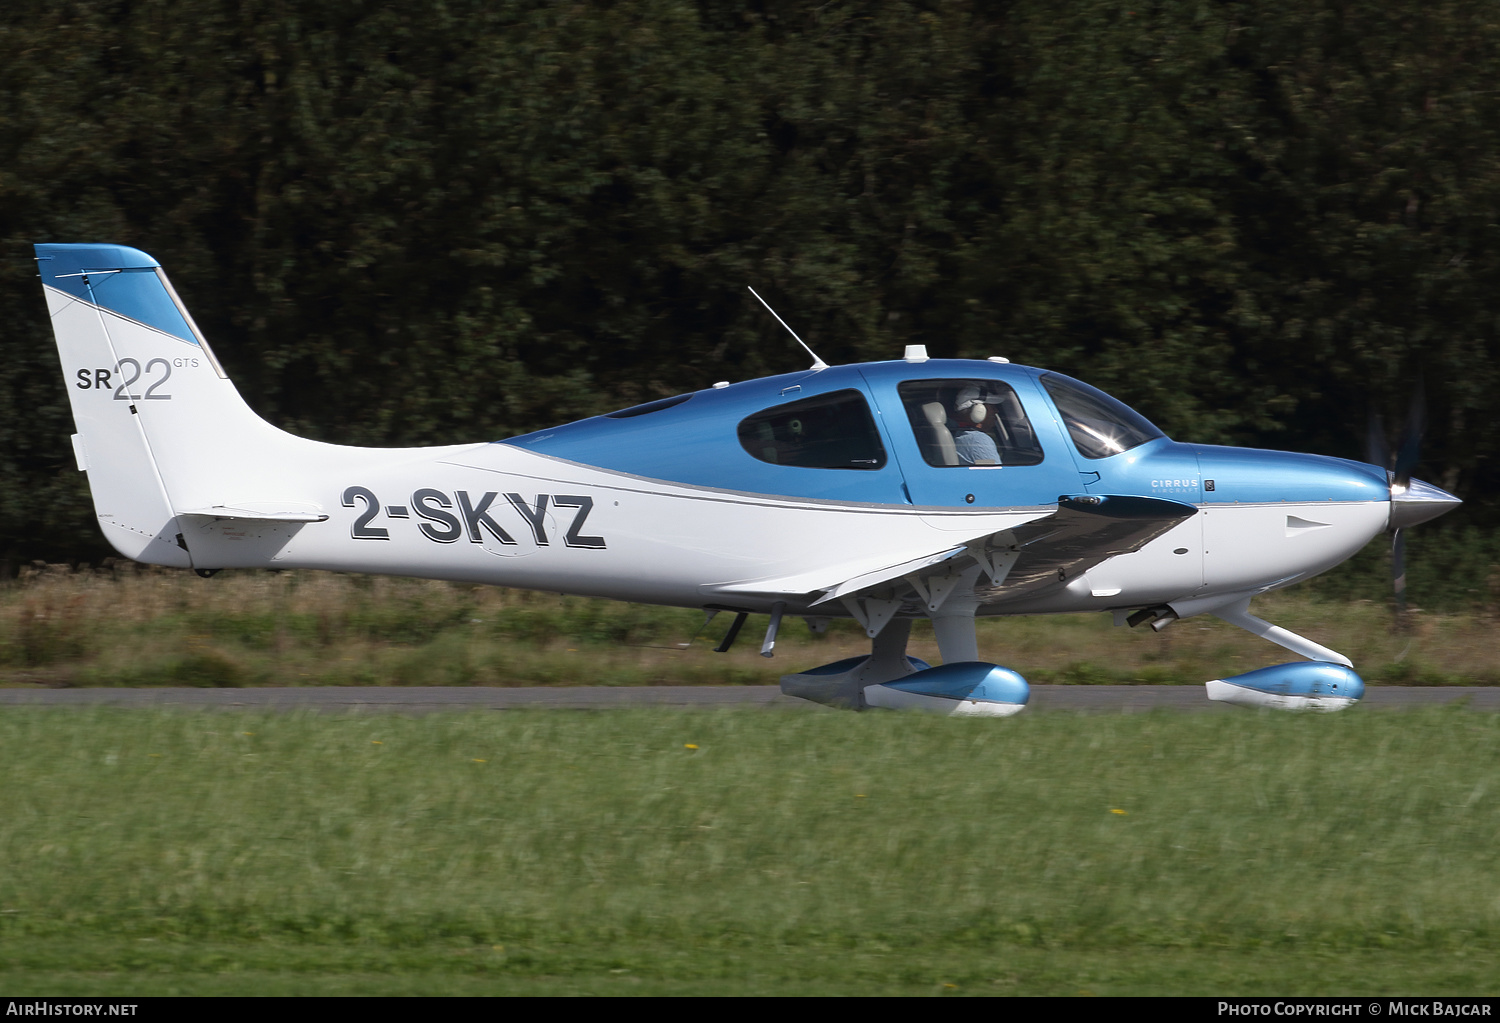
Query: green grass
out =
(600, 852)
(135, 627)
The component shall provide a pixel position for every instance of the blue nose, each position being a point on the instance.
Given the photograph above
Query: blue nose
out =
(1250, 476)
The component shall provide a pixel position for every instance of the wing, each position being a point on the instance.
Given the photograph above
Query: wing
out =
(1084, 532)
(1014, 564)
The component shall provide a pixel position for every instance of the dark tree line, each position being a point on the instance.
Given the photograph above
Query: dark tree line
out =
(443, 220)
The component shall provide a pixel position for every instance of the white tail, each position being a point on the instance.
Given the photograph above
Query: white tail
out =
(167, 441)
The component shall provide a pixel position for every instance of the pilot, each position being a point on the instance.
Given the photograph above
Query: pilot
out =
(973, 444)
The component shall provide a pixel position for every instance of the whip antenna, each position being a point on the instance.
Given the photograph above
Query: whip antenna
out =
(817, 362)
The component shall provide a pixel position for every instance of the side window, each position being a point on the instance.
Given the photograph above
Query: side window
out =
(969, 422)
(1099, 425)
(830, 431)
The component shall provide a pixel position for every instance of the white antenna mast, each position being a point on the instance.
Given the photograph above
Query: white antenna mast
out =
(817, 362)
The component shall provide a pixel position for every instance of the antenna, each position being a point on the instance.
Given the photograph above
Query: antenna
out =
(817, 362)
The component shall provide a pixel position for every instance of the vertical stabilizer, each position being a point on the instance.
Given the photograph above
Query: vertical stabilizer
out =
(161, 430)
(174, 455)
(120, 336)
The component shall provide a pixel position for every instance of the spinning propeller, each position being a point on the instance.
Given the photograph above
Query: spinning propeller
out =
(1412, 501)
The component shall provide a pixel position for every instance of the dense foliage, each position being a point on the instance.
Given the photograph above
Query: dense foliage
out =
(459, 219)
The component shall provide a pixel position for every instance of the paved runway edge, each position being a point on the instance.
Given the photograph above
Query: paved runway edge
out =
(430, 699)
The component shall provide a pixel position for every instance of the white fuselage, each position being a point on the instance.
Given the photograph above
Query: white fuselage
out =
(666, 543)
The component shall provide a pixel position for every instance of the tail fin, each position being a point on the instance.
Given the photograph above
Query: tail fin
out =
(162, 432)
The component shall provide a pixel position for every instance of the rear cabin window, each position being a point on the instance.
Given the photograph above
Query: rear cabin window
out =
(969, 423)
(830, 431)
(1099, 425)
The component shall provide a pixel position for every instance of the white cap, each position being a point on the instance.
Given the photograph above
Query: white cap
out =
(916, 353)
(997, 358)
(721, 383)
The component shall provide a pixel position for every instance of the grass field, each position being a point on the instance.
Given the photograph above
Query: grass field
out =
(133, 626)
(737, 852)
(749, 852)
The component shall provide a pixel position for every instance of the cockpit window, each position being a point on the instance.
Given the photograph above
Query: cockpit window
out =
(830, 431)
(1099, 425)
(969, 422)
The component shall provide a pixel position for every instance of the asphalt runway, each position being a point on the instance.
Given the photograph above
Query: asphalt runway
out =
(423, 700)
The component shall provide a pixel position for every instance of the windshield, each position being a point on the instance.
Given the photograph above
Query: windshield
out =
(1099, 425)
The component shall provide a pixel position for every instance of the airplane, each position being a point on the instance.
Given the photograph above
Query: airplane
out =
(885, 492)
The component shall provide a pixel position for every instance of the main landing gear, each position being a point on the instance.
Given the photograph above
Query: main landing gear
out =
(962, 686)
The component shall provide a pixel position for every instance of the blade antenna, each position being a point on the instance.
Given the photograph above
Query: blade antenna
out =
(817, 362)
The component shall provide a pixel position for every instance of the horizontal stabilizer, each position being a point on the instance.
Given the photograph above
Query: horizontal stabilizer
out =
(272, 512)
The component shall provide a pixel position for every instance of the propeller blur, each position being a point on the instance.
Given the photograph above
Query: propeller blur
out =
(883, 492)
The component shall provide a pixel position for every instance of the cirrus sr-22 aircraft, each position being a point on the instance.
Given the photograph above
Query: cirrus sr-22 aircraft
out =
(885, 492)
